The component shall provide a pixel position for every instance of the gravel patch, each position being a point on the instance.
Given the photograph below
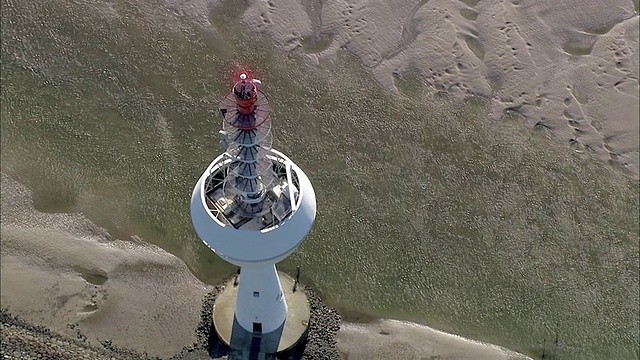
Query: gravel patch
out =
(21, 340)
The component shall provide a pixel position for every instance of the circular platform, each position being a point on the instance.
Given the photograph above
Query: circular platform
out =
(259, 240)
(294, 330)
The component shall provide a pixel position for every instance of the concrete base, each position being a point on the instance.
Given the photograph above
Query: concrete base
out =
(293, 331)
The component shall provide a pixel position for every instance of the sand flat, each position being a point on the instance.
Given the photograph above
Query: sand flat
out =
(570, 67)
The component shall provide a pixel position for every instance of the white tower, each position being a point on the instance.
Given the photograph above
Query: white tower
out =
(253, 206)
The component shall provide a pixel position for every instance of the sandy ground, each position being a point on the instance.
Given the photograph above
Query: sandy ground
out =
(570, 66)
(62, 271)
(392, 339)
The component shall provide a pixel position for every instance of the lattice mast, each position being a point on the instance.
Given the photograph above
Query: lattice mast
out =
(246, 137)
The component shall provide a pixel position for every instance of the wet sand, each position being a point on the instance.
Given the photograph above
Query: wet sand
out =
(63, 272)
(392, 339)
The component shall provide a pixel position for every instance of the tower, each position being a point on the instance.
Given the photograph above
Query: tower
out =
(252, 206)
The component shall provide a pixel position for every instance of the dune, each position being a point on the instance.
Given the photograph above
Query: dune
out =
(570, 67)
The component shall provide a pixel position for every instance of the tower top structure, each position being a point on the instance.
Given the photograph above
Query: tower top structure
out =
(253, 204)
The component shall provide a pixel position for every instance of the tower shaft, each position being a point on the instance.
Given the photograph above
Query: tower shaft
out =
(260, 305)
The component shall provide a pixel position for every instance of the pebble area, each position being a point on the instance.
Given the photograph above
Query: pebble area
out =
(24, 341)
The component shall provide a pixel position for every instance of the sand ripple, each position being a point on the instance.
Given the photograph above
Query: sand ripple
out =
(568, 67)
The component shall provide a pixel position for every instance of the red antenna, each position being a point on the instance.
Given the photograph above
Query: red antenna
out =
(245, 107)
(246, 95)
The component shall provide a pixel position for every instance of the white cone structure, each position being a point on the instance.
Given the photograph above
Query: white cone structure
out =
(253, 206)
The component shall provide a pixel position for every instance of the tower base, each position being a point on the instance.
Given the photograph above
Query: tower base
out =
(293, 331)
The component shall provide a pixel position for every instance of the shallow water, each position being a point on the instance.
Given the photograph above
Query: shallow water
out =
(427, 210)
